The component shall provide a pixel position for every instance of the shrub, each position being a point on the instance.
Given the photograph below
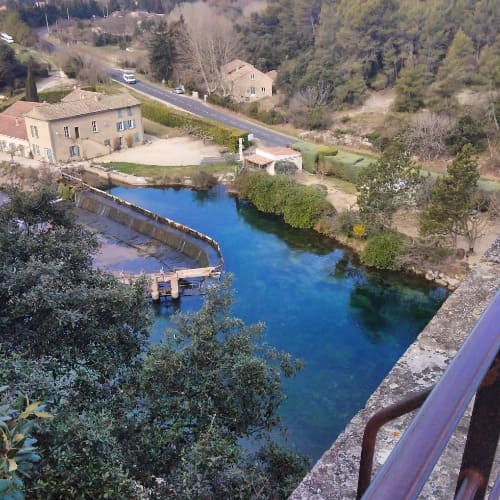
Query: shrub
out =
(346, 221)
(53, 96)
(382, 251)
(466, 131)
(129, 140)
(300, 206)
(225, 102)
(285, 167)
(359, 231)
(220, 134)
(203, 180)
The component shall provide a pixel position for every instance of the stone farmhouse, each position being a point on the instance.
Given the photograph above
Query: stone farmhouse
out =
(266, 158)
(13, 134)
(244, 82)
(83, 125)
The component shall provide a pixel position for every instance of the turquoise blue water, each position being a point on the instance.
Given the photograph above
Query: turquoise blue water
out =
(347, 323)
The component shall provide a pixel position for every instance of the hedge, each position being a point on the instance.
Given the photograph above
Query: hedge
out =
(300, 206)
(220, 134)
(347, 165)
(53, 96)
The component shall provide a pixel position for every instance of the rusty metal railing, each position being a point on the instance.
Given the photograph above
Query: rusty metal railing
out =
(475, 370)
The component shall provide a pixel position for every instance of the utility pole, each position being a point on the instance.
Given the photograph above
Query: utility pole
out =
(67, 12)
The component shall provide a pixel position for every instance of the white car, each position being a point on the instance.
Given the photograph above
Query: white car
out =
(129, 78)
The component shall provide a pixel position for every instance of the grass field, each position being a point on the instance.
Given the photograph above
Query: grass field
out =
(159, 171)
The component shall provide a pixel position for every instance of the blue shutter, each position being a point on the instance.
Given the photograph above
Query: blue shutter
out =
(118, 126)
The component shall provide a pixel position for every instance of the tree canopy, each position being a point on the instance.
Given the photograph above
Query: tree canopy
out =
(131, 417)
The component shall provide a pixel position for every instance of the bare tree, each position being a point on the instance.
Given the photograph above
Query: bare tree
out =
(316, 95)
(427, 133)
(208, 42)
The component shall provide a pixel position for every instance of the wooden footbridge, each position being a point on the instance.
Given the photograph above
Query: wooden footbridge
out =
(194, 244)
(170, 283)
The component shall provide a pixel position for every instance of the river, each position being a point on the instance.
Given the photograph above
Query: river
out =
(349, 324)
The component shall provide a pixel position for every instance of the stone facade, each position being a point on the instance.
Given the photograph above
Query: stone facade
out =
(266, 158)
(244, 82)
(84, 125)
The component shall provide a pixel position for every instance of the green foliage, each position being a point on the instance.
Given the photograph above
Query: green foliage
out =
(220, 134)
(466, 131)
(453, 206)
(226, 102)
(53, 96)
(386, 185)
(204, 180)
(67, 192)
(169, 421)
(382, 251)
(10, 67)
(162, 52)
(300, 206)
(31, 93)
(18, 452)
(285, 167)
(410, 89)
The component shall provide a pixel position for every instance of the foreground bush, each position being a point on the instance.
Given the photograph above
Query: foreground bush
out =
(382, 251)
(300, 206)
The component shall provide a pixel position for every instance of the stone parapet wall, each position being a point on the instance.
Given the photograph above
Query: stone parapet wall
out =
(335, 475)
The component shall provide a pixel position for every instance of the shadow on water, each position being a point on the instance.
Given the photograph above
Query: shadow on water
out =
(379, 299)
(297, 239)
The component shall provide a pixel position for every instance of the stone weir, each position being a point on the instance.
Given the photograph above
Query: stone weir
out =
(197, 247)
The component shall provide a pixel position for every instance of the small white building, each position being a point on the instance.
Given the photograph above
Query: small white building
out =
(266, 158)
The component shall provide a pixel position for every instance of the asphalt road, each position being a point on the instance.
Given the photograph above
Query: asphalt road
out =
(265, 136)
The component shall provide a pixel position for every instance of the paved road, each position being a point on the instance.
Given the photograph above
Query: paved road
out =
(197, 107)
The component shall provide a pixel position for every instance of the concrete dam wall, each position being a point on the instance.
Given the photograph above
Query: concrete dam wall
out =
(196, 246)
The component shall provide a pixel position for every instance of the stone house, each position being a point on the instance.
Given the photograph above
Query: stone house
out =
(13, 134)
(266, 158)
(84, 125)
(244, 82)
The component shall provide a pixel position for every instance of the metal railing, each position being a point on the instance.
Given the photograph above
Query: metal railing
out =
(475, 370)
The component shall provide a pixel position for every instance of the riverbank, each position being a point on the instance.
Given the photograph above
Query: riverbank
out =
(448, 273)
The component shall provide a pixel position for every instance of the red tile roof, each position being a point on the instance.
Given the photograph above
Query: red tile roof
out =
(13, 126)
(258, 160)
(12, 119)
(19, 108)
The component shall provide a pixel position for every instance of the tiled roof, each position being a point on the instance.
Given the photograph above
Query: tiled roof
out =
(234, 65)
(13, 126)
(19, 108)
(87, 103)
(258, 160)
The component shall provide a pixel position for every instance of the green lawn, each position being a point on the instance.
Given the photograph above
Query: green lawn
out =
(159, 171)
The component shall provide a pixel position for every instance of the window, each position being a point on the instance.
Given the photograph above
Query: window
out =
(252, 76)
(129, 111)
(77, 132)
(129, 124)
(119, 112)
(94, 126)
(66, 131)
(263, 90)
(34, 131)
(119, 126)
(107, 142)
(36, 149)
(252, 90)
(136, 137)
(74, 151)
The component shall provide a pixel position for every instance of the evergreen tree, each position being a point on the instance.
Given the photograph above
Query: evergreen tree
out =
(410, 88)
(453, 208)
(161, 52)
(31, 93)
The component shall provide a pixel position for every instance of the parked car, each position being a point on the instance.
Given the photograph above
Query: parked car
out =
(129, 77)
(178, 90)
